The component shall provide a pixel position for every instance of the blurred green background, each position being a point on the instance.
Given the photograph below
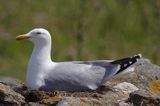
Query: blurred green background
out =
(80, 29)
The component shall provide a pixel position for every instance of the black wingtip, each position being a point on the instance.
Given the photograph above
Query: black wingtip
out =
(138, 56)
(126, 62)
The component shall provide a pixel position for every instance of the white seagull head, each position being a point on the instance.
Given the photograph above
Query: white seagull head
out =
(37, 36)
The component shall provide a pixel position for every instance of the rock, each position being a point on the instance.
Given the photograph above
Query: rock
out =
(145, 72)
(12, 82)
(125, 87)
(154, 87)
(33, 96)
(34, 104)
(143, 98)
(119, 93)
(122, 103)
(10, 97)
(83, 101)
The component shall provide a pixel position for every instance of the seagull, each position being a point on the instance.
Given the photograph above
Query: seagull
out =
(71, 76)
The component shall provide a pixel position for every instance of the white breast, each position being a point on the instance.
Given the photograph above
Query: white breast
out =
(36, 74)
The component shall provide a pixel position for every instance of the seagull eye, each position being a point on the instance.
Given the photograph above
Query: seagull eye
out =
(38, 33)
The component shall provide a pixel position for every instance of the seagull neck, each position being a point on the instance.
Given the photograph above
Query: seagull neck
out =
(42, 53)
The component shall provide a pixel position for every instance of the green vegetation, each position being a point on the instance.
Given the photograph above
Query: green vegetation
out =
(81, 30)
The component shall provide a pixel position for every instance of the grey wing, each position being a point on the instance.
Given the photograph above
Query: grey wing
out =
(109, 69)
(80, 75)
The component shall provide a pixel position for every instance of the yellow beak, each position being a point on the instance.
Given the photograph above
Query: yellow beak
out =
(22, 37)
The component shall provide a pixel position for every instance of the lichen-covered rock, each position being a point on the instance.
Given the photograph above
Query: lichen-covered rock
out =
(154, 87)
(143, 98)
(145, 72)
(119, 93)
(10, 97)
(34, 104)
(125, 87)
(83, 101)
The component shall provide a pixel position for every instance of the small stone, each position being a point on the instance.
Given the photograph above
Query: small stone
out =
(9, 96)
(34, 104)
(143, 98)
(122, 103)
(125, 87)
